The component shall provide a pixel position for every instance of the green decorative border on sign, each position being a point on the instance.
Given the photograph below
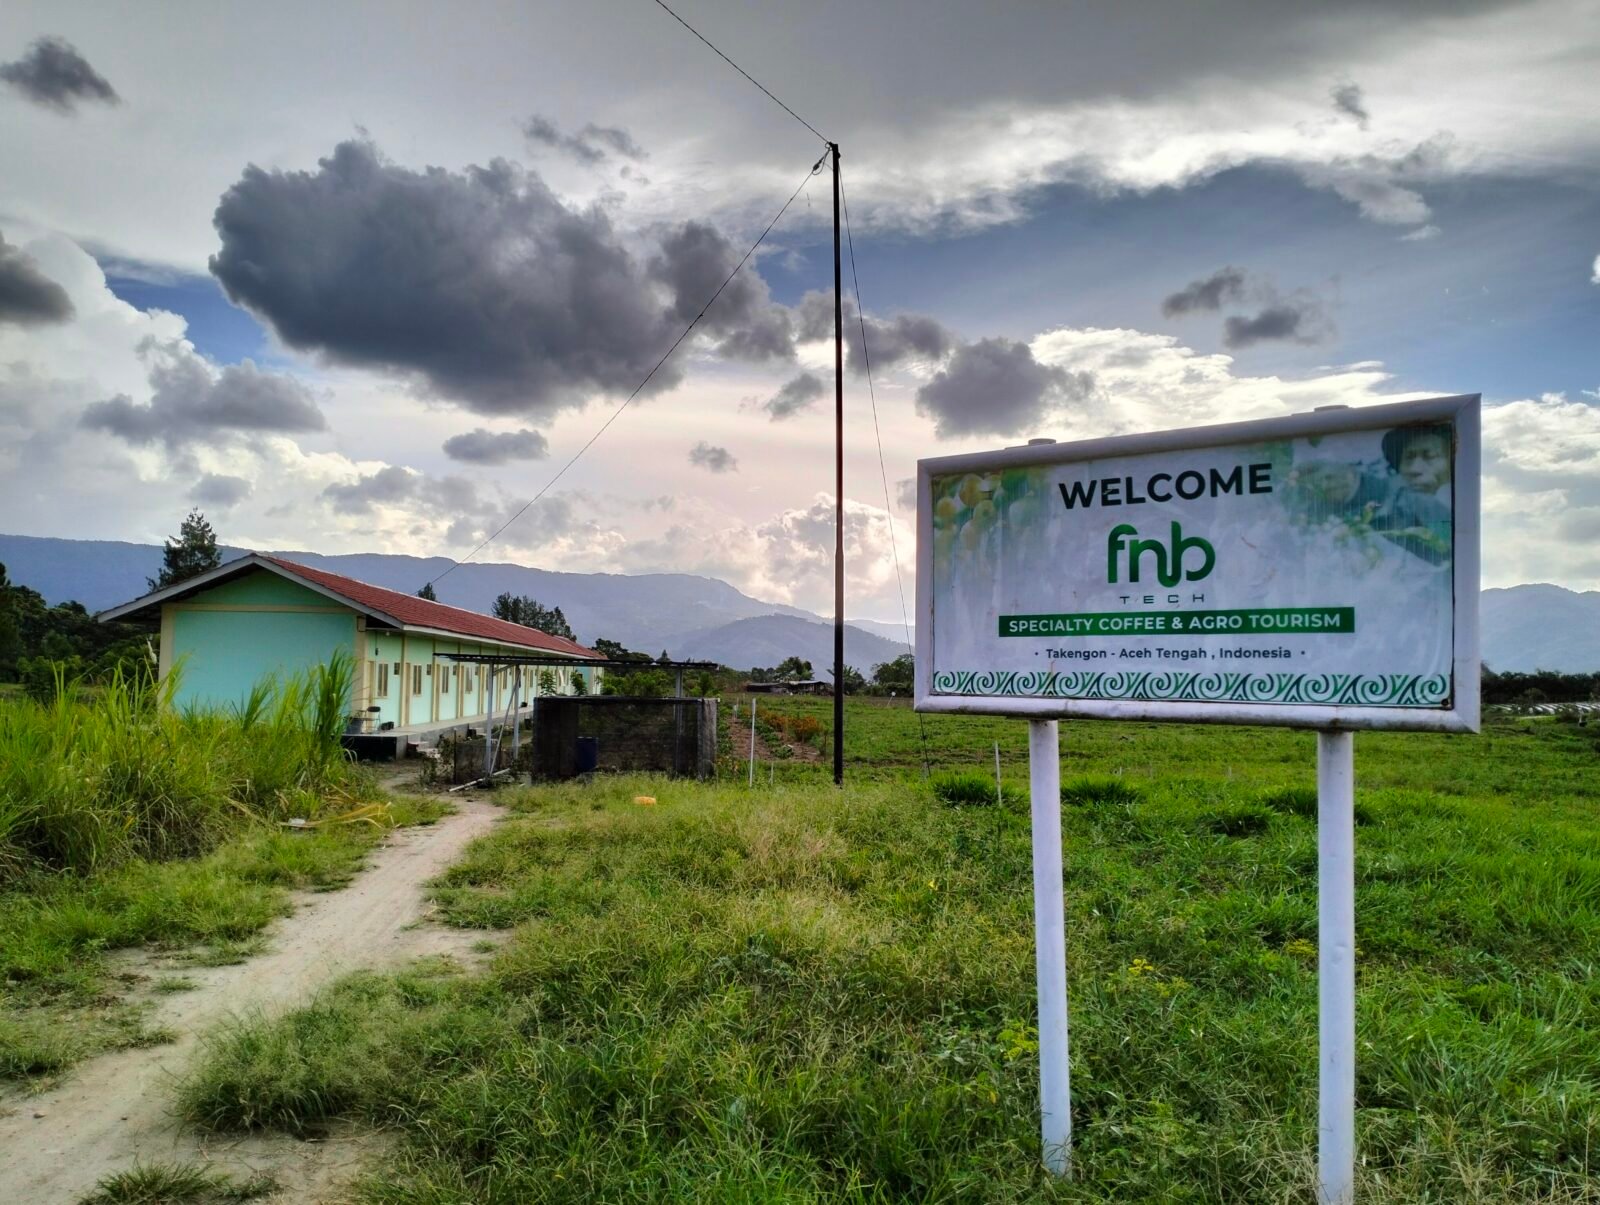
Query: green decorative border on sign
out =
(1176, 686)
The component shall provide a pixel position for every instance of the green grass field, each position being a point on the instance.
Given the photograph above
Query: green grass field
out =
(794, 993)
(126, 822)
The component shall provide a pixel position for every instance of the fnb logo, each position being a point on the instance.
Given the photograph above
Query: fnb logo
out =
(1169, 563)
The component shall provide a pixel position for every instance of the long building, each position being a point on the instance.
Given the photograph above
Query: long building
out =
(256, 616)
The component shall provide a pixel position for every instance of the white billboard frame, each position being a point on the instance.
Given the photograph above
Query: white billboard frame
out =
(1463, 712)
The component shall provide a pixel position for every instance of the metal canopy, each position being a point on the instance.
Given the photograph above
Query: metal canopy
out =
(570, 662)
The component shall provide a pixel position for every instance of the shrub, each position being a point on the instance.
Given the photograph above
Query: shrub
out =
(1240, 819)
(1302, 801)
(1084, 792)
(971, 790)
(803, 727)
(1292, 801)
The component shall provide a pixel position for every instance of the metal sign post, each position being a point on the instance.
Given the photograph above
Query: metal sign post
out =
(1336, 967)
(1312, 571)
(1050, 944)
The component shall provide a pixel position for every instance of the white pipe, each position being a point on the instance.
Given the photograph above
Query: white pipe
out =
(1050, 938)
(1336, 967)
(998, 793)
(752, 744)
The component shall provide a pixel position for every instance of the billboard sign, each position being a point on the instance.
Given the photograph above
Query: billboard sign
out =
(1317, 570)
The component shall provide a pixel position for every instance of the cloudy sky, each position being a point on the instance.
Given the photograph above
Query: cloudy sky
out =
(363, 277)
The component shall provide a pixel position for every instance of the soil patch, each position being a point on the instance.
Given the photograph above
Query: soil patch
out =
(113, 1111)
(739, 734)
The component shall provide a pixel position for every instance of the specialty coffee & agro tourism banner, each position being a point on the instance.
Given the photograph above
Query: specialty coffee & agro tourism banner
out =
(1293, 567)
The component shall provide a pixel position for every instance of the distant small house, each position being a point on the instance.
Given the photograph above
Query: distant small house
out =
(263, 615)
(814, 687)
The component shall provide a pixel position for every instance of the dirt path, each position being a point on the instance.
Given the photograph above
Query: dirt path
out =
(114, 1110)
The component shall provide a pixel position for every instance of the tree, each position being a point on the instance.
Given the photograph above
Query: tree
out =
(640, 684)
(194, 552)
(580, 684)
(547, 681)
(531, 613)
(897, 675)
(66, 632)
(794, 669)
(614, 650)
(427, 592)
(11, 646)
(854, 683)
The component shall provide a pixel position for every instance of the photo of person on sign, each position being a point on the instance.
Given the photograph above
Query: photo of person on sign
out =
(1405, 496)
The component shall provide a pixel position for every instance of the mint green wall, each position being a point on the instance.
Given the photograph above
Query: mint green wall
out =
(384, 648)
(231, 636)
(419, 702)
(262, 588)
(446, 702)
(224, 653)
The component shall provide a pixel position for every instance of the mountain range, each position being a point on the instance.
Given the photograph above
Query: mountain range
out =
(689, 617)
(1541, 627)
(1525, 628)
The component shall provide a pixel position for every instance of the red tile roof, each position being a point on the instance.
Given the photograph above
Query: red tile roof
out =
(421, 613)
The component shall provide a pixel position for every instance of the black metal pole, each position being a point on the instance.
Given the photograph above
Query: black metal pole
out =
(838, 483)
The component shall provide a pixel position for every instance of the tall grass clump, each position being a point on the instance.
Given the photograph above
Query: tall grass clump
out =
(1087, 792)
(88, 781)
(971, 790)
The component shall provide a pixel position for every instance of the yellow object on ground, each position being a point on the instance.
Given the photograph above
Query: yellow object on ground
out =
(363, 815)
(648, 801)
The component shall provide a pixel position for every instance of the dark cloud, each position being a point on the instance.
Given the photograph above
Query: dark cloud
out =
(497, 447)
(905, 337)
(1208, 293)
(1297, 319)
(550, 519)
(814, 315)
(390, 484)
(192, 404)
(480, 285)
(794, 396)
(55, 75)
(27, 296)
(215, 489)
(996, 387)
(890, 341)
(695, 259)
(1347, 99)
(592, 144)
(438, 497)
(713, 459)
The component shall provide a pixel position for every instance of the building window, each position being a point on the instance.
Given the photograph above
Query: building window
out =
(466, 679)
(416, 679)
(383, 681)
(444, 681)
